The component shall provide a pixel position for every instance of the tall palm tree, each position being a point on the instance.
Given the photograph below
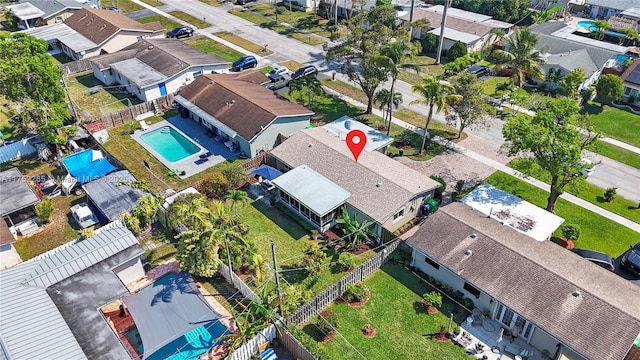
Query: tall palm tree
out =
(384, 99)
(601, 26)
(393, 59)
(521, 56)
(434, 93)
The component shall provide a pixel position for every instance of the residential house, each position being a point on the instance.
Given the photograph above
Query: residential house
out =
(240, 112)
(563, 304)
(49, 306)
(152, 68)
(111, 197)
(376, 140)
(17, 203)
(604, 9)
(474, 30)
(321, 177)
(631, 83)
(563, 63)
(33, 13)
(91, 32)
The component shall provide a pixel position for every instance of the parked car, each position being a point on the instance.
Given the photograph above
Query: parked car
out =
(180, 32)
(278, 82)
(596, 257)
(46, 186)
(307, 70)
(113, 8)
(588, 168)
(277, 70)
(245, 62)
(83, 215)
(479, 71)
(631, 260)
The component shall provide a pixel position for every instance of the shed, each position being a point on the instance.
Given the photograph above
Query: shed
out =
(16, 150)
(16, 194)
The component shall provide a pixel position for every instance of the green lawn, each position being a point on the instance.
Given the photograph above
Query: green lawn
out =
(597, 232)
(616, 123)
(427, 67)
(200, 23)
(267, 223)
(616, 153)
(299, 19)
(209, 46)
(166, 22)
(155, 3)
(99, 103)
(403, 329)
(496, 86)
(435, 127)
(243, 43)
(125, 5)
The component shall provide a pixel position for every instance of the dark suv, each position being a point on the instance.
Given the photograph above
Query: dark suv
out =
(245, 62)
(307, 70)
(598, 258)
(180, 32)
(631, 260)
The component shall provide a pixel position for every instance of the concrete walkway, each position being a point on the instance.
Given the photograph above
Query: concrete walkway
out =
(499, 166)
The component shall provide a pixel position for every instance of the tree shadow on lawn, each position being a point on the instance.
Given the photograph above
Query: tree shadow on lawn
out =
(591, 109)
(281, 219)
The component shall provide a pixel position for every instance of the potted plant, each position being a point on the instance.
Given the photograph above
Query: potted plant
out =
(479, 347)
(431, 301)
(570, 233)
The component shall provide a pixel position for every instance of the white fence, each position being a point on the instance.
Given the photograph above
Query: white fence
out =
(236, 282)
(329, 295)
(247, 350)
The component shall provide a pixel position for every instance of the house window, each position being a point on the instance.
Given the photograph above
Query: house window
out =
(398, 215)
(472, 290)
(431, 262)
(627, 91)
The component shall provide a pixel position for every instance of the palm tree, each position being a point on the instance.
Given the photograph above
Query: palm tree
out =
(308, 86)
(522, 57)
(630, 35)
(601, 26)
(237, 199)
(382, 99)
(434, 93)
(393, 59)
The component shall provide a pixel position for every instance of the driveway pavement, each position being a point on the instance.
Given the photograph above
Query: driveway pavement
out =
(8, 256)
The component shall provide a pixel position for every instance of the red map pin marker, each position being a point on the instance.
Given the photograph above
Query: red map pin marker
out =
(356, 140)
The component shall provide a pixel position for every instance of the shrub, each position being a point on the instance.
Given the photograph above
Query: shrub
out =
(215, 185)
(85, 233)
(439, 190)
(347, 261)
(433, 298)
(429, 43)
(355, 293)
(459, 186)
(570, 232)
(44, 210)
(457, 50)
(327, 322)
(235, 174)
(468, 303)
(132, 223)
(610, 194)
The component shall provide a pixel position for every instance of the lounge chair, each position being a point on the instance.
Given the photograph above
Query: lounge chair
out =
(143, 125)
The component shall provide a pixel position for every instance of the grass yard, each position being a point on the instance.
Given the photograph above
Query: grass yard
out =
(267, 223)
(291, 64)
(153, 2)
(101, 102)
(427, 66)
(161, 254)
(209, 46)
(125, 5)
(243, 43)
(616, 153)
(403, 329)
(200, 23)
(9, 133)
(435, 127)
(60, 229)
(616, 123)
(345, 89)
(166, 22)
(299, 19)
(597, 232)
(496, 86)
(213, 2)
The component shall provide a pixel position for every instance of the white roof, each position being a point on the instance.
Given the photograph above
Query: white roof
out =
(83, 212)
(77, 42)
(456, 35)
(315, 191)
(138, 72)
(375, 139)
(633, 13)
(514, 212)
(461, 13)
(25, 11)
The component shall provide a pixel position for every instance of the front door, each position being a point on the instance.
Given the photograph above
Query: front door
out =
(510, 319)
(163, 89)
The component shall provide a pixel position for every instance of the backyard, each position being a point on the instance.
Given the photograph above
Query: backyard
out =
(89, 95)
(597, 232)
(403, 328)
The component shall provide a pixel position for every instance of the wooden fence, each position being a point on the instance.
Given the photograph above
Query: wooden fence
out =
(292, 344)
(236, 282)
(129, 114)
(254, 162)
(75, 67)
(330, 294)
(247, 350)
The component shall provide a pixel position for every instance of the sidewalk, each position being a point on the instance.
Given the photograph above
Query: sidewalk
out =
(498, 166)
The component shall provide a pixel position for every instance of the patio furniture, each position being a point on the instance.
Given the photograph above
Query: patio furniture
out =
(521, 353)
(205, 155)
(201, 161)
(143, 125)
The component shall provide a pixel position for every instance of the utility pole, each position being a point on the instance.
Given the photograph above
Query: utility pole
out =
(275, 8)
(447, 3)
(229, 261)
(413, 4)
(275, 269)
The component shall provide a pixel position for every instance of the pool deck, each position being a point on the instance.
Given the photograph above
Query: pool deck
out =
(572, 26)
(195, 132)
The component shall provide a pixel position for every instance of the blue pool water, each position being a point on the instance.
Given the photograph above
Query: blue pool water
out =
(169, 143)
(592, 26)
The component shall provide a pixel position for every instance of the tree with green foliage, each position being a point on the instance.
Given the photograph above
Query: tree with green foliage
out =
(214, 186)
(308, 87)
(429, 43)
(571, 83)
(146, 209)
(608, 89)
(367, 33)
(131, 223)
(458, 49)
(522, 57)
(384, 99)
(44, 210)
(434, 93)
(355, 232)
(394, 58)
(503, 10)
(32, 83)
(235, 174)
(555, 148)
(630, 36)
(472, 109)
(601, 26)
(570, 231)
(543, 16)
(237, 199)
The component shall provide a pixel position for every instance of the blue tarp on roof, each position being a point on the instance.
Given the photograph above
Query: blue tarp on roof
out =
(88, 165)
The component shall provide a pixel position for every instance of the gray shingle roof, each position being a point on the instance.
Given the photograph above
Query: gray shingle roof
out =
(52, 7)
(614, 4)
(80, 256)
(536, 279)
(16, 194)
(572, 60)
(327, 154)
(31, 326)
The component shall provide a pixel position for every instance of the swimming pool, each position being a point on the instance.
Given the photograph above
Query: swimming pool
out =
(591, 25)
(170, 144)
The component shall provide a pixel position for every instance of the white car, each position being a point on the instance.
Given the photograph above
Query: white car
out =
(83, 215)
(588, 167)
(277, 70)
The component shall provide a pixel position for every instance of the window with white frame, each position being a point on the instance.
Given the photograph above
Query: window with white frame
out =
(398, 215)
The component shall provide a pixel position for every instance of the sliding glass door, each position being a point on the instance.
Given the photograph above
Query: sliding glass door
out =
(510, 319)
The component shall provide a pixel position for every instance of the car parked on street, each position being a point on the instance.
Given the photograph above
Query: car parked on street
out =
(588, 167)
(631, 260)
(46, 186)
(113, 8)
(245, 62)
(83, 215)
(180, 32)
(596, 257)
(307, 70)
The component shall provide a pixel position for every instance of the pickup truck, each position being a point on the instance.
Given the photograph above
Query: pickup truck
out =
(277, 82)
(83, 215)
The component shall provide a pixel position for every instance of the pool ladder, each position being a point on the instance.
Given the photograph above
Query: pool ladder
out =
(165, 130)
